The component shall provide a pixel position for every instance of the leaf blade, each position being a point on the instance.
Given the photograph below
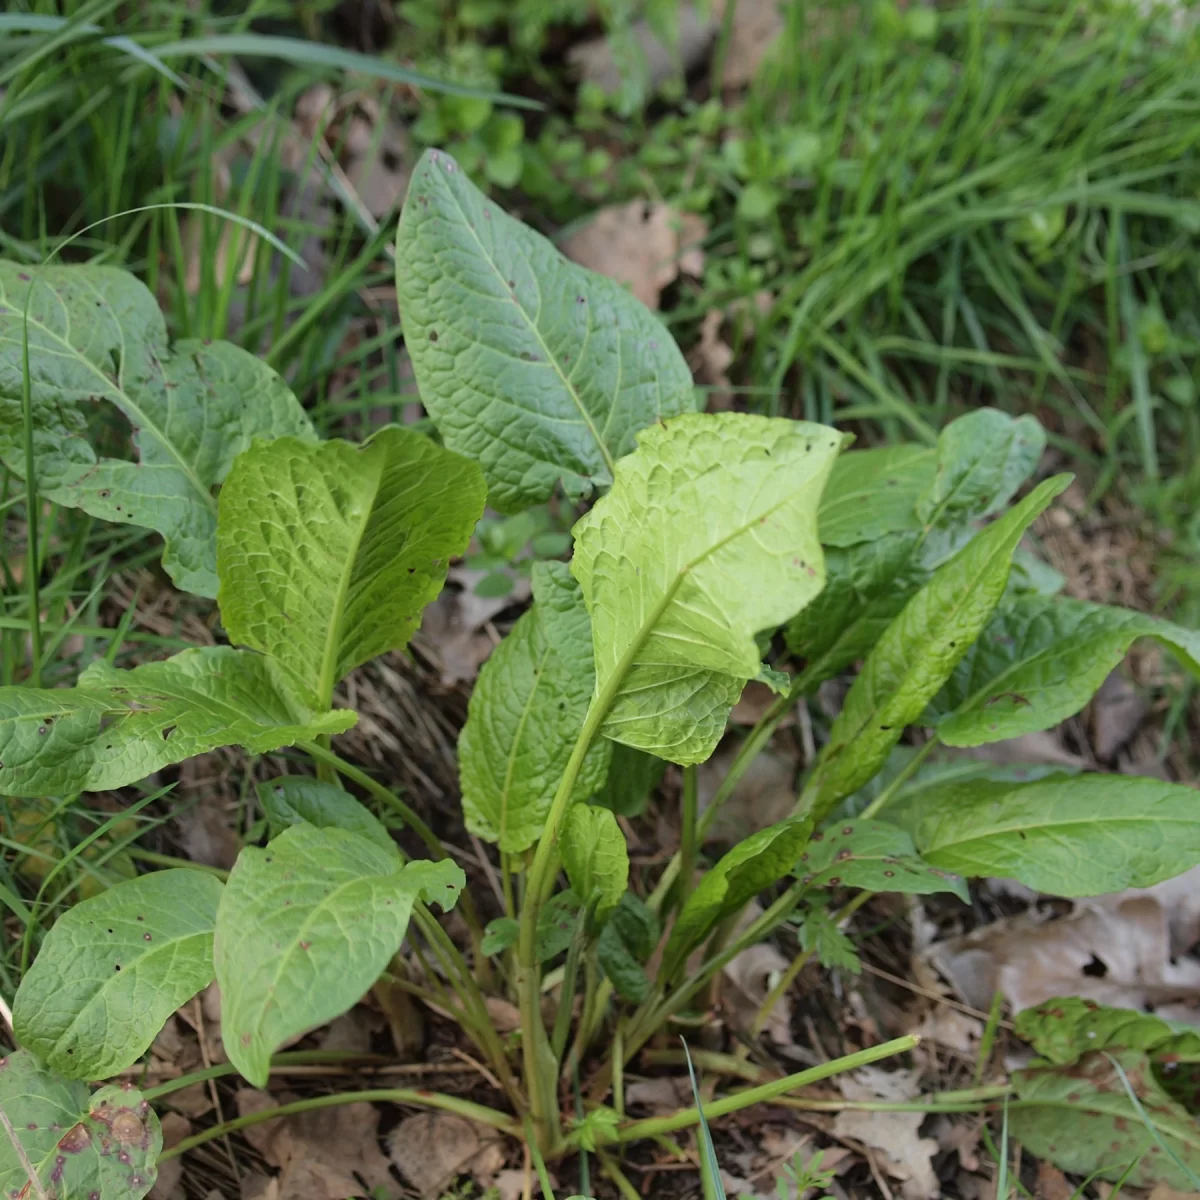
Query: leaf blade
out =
(570, 367)
(96, 334)
(918, 651)
(328, 553)
(285, 959)
(1079, 835)
(87, 1020)
(707, 506)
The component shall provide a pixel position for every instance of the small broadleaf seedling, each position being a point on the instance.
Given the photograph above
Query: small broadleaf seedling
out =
(708, 542)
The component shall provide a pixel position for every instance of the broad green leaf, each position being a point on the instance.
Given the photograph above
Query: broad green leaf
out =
(917, 653)
(1078, 835)
(525, 715)
(632, 776)
(761, 860)
(874, 492)
(596, 858)
(304, 928)
(101, 1145)
(872, 855)
(558, 922)
(296, 799)
(708, 536)
(114, 968)
(982, 458)
(869, 578)
(1064, 1029)
(625, 943)
(1082, 1120)
(117, 727)
(499, 935)
(96, 334)
(1039, 661)
(328, 553)
(820, 935)
(535, 367)
(866, 587)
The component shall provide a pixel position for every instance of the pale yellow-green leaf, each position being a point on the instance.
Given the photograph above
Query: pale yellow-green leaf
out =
(708, 536)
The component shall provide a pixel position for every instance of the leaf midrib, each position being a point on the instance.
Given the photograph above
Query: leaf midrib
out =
(609, 461)
(130, 407)
(327, 679)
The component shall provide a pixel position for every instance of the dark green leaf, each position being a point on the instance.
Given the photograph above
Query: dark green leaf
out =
(874, 492)
(820, 935)
(1081, 1119)
(295, 799)
(596, 859)
(557, 923)
(1064, 1029)
(525, 714)
(758, 862)
(535, 367)
(1039, 661)
(499, 935)
(917, 653)
(632, 776)
(305, 927)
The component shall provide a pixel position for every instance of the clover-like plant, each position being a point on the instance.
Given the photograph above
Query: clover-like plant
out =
(708, 543)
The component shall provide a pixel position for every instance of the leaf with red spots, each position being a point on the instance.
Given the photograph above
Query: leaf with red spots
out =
(101, 1145)
(96, 335)
(1082, 1119)
(305, 927)
(876, 856)
(114, 968)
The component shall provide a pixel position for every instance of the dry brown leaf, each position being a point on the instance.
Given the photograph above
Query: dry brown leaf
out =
(377, 162)
(1043, 747)
(452, 626)
(351, 1033)
(903, 1153)
(950, 1028)
(404, 1018)
(431, 1149)
(664, 1094)
(764, 795)
(323, 1154)
(757, 25)
(1051, 1183)
(749, 976)
(710, 360)
(170, 1173)
(1161, 1191)
(644, 246)
(505, 1017)
(596, 63)
(1117, 710)
(962, 1136)
(1127, 950)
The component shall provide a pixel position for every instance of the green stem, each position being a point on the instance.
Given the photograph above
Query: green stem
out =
(487, 1039)
(289, 1058)
(168, 860)
(414, 1096)
(796, 966)
(541, 1067)
(616, 1176)
(762, 1094)
(688, 836)
(32, 565)
(910, 769)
